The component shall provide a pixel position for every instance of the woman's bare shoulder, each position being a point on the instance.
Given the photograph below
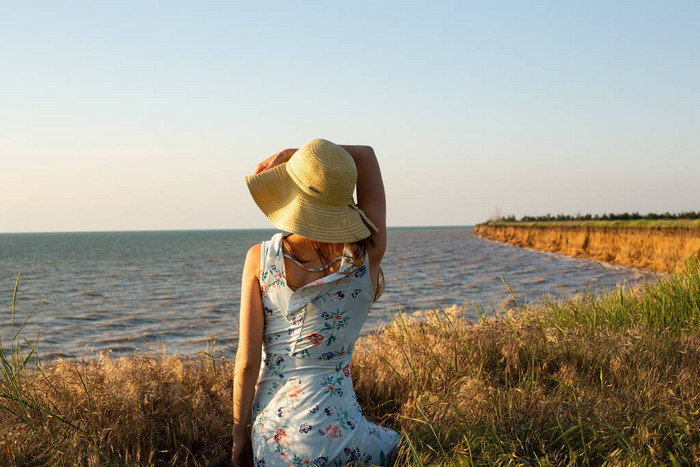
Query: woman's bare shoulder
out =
(253, 260)
(254, 250)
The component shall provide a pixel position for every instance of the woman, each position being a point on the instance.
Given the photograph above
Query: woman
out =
(304, 298)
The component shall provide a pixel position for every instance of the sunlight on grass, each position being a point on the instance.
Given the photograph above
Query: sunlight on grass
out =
(603, 378)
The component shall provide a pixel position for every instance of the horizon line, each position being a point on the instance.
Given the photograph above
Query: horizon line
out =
(213, 229)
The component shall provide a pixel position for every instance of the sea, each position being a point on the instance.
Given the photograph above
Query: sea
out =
(81, 295)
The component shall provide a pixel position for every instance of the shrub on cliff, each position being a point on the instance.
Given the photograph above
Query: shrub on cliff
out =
(625, 216)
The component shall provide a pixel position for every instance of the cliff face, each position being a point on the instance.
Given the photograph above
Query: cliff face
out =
(641, 247)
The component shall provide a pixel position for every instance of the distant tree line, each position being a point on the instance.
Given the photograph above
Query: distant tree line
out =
(625, 216)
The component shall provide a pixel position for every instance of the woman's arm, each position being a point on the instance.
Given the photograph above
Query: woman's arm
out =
(248, 356)
(371, 198)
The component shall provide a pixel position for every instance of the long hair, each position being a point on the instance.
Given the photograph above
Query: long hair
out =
(357, 251)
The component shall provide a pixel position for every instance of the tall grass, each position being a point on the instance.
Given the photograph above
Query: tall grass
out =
(147, 409)
(609, 378)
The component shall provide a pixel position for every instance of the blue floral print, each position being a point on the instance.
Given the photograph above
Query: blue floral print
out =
(339, 295)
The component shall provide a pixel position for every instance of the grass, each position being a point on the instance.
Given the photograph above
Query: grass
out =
(647, 223)
(608, 378)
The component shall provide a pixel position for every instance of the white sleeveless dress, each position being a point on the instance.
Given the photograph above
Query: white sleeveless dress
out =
(305, 411)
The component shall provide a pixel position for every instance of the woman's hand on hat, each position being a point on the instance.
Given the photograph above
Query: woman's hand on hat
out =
(275, 159)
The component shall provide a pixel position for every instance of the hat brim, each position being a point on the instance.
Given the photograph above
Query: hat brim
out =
(292, 210)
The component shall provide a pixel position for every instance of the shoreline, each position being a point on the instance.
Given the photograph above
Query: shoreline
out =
(656, 248)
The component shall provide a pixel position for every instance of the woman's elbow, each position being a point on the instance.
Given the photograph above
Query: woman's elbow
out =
(246, 368)
(368, 152)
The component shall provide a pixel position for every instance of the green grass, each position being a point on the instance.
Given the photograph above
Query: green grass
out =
(657, 223)
(608, 378)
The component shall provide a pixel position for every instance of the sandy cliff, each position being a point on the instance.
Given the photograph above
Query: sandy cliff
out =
(640, 247)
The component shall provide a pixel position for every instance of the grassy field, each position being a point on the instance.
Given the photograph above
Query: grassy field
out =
(659, 223)
(607, 378)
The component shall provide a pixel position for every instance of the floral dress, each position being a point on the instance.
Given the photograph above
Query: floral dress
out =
(305, 411)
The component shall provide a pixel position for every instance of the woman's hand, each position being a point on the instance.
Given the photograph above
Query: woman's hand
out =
(275, 159)
(242, 453)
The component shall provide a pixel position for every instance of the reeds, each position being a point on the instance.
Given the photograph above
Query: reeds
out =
(610, 378)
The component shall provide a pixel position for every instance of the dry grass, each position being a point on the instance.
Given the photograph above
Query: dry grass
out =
(520, 390)
(139, 410)
(609, 380)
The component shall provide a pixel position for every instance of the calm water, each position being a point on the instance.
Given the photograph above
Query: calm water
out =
(124, 291)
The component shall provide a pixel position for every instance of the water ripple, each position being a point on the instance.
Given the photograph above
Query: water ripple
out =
(124, 291)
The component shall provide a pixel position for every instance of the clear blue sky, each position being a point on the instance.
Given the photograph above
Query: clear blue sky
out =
(147, 115)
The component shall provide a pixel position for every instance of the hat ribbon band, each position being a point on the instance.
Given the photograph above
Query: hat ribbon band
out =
(364, 216)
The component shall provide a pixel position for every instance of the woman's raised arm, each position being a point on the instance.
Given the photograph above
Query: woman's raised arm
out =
(370, 197)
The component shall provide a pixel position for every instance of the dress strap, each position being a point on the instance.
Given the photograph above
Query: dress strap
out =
(301, 265)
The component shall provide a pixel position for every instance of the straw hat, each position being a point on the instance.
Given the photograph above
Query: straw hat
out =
(311, 194)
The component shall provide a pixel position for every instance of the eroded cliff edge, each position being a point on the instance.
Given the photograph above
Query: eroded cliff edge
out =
(656, 248)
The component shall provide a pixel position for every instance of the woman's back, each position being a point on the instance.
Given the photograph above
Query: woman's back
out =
(305, 410)
(323, 316)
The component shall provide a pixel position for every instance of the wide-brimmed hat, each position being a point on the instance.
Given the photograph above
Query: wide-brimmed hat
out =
(311, 194)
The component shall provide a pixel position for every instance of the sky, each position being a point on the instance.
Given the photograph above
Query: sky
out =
(146, 115)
